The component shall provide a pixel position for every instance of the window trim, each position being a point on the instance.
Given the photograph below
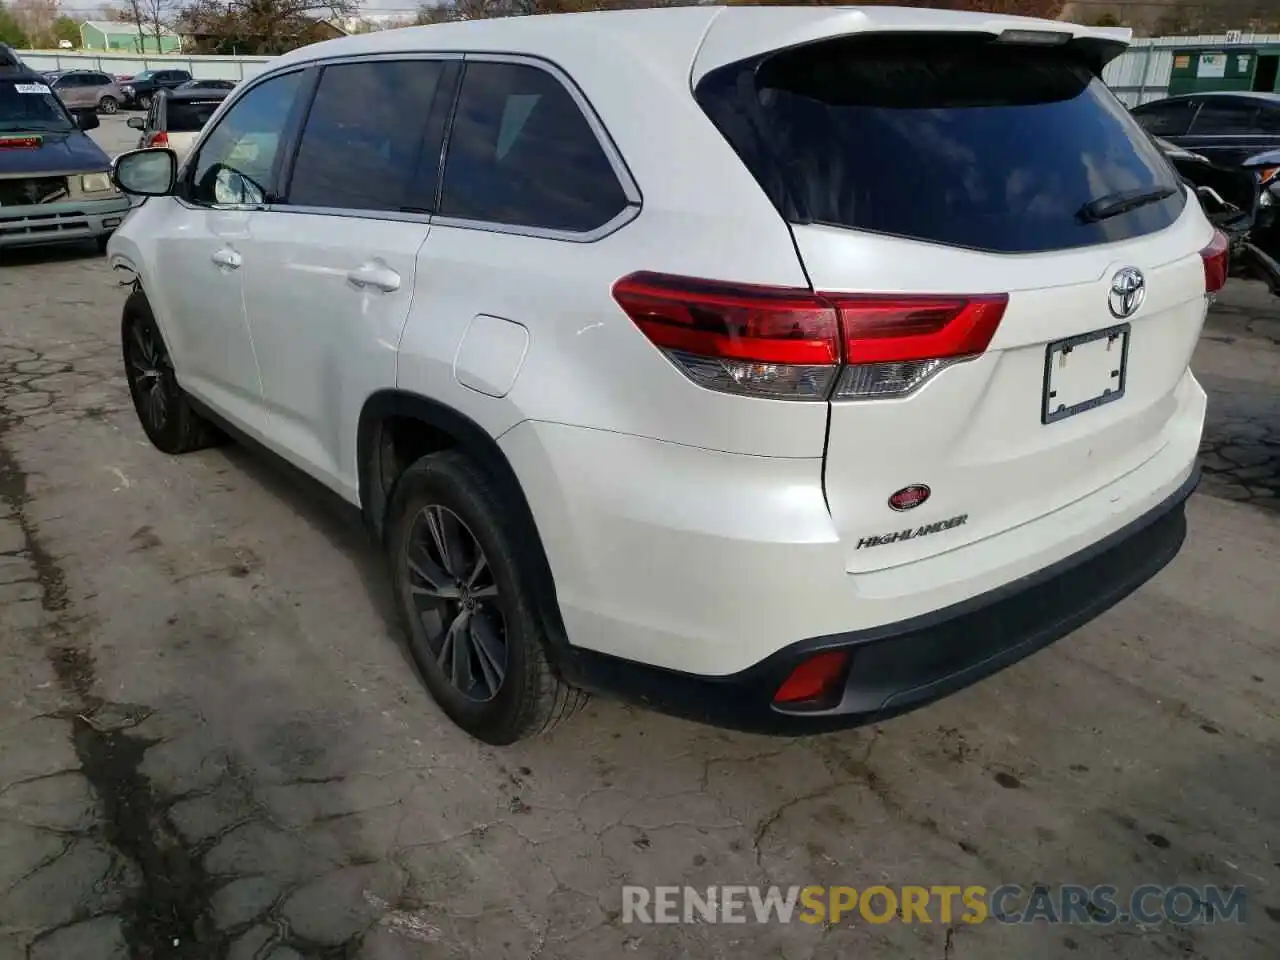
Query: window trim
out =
(285, 174)
(288, 136)
(282, 169)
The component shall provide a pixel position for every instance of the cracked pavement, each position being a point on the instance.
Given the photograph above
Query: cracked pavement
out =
(212, 742)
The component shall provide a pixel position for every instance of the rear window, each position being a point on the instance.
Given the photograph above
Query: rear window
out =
(189, 116)
(955, 140)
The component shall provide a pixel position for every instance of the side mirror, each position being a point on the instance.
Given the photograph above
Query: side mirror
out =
(87, 119)
(136, 123)
(146, 173)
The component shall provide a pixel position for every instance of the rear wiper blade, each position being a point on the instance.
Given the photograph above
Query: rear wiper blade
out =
(1114, 204)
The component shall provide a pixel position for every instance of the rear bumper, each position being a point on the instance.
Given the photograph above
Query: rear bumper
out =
(67, 222)
(898, 667)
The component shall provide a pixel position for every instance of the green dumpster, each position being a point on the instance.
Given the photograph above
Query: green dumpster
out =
(1231, 67)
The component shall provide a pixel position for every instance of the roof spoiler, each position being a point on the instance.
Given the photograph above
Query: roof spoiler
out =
(1096, 46)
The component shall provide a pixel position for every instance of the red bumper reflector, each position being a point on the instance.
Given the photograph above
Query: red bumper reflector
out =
(1216, 262)
(816, 677)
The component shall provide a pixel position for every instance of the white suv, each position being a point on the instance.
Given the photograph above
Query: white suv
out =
(782, 368)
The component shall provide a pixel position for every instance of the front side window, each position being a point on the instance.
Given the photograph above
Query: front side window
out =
(236, 162)
(363, 137)
(522, 153)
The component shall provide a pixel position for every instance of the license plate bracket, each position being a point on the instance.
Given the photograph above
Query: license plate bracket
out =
(1084, 372)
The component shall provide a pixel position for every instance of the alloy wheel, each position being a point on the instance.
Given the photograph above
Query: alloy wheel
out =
(455, 602)
(151, 374)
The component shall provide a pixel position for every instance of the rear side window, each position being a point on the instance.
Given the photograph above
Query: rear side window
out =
(522, 153)
(955, 140)
(364, 135)
(189, 116)
(1226, 118)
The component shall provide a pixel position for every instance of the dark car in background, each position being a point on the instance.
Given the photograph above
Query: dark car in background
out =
(1225, 127)
(141, 89)
(55, 182)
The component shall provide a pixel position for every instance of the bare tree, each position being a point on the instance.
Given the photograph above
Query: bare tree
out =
(36, 18)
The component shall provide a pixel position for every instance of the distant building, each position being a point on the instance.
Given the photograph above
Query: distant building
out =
(109, 35)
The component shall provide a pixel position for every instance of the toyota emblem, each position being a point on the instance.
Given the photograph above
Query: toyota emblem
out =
(908, 498)
(1128, 290)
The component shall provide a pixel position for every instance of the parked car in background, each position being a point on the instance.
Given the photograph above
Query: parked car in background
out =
(87, 89)
(207, 85)
(662, 360)
(176, 118)
(1225, 127)
(141, 89)
(55, 182)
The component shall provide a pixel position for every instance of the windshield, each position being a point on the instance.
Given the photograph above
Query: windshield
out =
(30, 105)
(144, 75)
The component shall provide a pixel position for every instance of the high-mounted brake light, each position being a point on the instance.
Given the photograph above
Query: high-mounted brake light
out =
(1044, 38)
(1216, 258)
(788, 343)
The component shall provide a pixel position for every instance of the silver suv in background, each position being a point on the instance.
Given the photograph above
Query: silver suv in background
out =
(87, 89)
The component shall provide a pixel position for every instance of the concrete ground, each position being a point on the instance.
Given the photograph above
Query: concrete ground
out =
(212, 743)
(114, 135)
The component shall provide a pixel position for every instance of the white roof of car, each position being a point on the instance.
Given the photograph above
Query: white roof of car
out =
(713, 35)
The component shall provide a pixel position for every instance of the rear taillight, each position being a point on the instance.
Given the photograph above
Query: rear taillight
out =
(736, 338)
(1216, 263)
(796, 345)
(160, 139)
(892, 345)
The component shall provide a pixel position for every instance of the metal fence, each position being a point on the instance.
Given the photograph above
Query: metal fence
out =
(1138, 75)
(1142, 72)
(204, 68)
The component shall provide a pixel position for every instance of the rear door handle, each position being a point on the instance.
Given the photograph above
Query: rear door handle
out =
(227, 258)
(376, 275)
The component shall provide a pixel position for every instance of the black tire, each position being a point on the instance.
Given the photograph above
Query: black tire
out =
(108, 105)
(530, 697)
(102, 241)
(162, 407)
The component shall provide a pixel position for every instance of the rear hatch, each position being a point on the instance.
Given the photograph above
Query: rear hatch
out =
(1017, 268)
(185, 118)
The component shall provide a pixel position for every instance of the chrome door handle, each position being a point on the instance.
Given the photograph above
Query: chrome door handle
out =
(227, 258)
(374, 275)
